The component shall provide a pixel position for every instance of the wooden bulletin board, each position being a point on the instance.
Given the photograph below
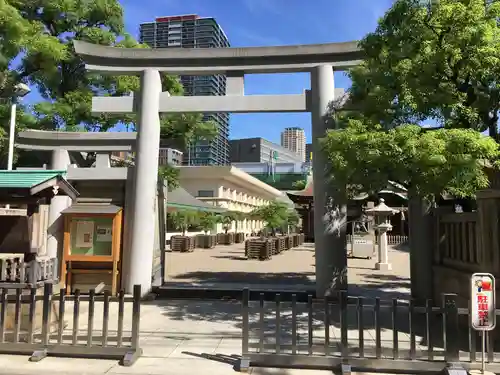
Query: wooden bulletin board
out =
(102, 239)
(92, 245)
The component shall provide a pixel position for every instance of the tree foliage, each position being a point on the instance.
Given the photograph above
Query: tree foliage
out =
(170, 174)
(227, 218)
(36, 47)
(275, 215)
(431, 60)
(426, 162)
(299, 184)
(183, 219)
(206, 221)
(293, 218)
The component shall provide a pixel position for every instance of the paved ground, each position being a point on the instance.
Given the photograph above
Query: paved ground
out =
(186, 337)
(227, 265)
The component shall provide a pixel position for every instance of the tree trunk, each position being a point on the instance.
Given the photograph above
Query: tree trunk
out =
(422, 241)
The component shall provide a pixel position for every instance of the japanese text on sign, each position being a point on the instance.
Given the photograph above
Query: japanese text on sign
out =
(483, 301)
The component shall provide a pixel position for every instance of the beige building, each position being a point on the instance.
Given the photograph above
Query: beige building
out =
(294, 139)
(169, 156)
(228, 187)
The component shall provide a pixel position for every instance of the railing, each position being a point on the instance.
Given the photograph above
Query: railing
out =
(458, 241)
(35, 324)
(365, 334)
(13, 269)
(392, 239)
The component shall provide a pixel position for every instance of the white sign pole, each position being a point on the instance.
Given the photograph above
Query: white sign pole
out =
(482, 314)
(483, 352)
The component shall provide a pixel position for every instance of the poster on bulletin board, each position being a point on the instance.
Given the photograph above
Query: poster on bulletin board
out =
(84, 234)
(103, 233)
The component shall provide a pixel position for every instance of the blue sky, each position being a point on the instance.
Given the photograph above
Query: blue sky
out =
(271, 22)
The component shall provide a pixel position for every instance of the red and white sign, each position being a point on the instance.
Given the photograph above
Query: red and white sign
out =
(482, 315)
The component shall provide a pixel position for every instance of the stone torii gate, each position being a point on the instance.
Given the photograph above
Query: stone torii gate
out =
(319, 60)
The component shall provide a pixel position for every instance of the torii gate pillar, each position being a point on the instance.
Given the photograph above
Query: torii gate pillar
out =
(138, 262)
(329, 242)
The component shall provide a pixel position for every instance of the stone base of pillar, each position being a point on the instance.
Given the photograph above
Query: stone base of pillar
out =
(383, 266)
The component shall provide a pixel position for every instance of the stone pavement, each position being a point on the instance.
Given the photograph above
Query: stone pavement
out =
(185, 337)
(226, 266)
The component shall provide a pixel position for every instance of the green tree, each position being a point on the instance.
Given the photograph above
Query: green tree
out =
(183, 219)
(274, 215)
(170, 174)
(293, 219)
(226, 219)
(19, 36)
(430, 60)
(426, 162)
(299, 184)
(206, 221)
(42, 47)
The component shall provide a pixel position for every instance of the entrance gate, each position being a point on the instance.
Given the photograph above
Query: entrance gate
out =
(319, 60)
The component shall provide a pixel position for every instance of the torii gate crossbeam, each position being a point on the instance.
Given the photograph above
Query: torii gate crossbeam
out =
(319, 59)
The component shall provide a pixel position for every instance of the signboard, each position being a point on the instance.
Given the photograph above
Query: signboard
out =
(104, 233)
(482, 314)
(84, 234)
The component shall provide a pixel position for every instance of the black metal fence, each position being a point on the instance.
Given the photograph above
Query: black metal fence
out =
(37, 322)
(361, 333)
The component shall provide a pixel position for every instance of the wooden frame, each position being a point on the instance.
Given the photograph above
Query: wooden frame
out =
(67, 271)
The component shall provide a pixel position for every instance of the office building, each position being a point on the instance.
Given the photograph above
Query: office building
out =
(169, 156)
(294, 139)
(309, 150)
(193, 31)
(259, 150)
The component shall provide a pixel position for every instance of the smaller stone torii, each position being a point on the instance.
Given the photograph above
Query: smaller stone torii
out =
(320, 60)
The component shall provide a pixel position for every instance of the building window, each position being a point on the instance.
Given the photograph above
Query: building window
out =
(205, 193)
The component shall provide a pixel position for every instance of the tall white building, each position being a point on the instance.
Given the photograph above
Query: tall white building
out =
(294, 139)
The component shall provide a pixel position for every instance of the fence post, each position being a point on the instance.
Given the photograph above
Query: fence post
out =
(450, 327)
(343, 299)
(245, 335)
(135, 352)
(38, 355)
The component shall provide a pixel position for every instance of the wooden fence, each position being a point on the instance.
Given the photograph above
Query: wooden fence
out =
(458, 241)
(38, 323)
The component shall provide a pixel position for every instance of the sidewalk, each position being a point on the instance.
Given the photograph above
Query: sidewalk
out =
(177, 337)
(188, 355)
(201, 336)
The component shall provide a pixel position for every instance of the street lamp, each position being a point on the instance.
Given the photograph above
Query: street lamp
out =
(20, 90)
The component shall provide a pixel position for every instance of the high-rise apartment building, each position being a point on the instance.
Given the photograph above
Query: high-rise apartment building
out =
(309, 152)
(193, 31)
(294, 139)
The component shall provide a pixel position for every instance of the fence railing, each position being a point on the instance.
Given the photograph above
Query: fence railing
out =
(36, 322)
(13, 269)
(392, 239)
(365, 334)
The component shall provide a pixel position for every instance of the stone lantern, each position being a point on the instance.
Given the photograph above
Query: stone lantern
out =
(381, 212)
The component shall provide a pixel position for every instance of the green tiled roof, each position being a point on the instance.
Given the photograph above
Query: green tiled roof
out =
(26, 179)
